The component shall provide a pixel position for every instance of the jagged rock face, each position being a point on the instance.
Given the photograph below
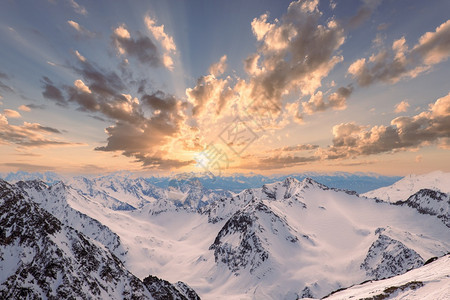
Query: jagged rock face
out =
(249, 250)
(164, 290)
(388, 257)
(430, 202)
(224, 208)
(40, 257)
(242, 243)
(54, 199)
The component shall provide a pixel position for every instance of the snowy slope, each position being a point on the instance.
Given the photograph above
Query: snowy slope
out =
(56, 198)
(411, 184)
(285, 240)
(430, 282)
(41, 258)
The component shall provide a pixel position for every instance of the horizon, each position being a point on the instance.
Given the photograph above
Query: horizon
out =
(358, 182)
(271, 88)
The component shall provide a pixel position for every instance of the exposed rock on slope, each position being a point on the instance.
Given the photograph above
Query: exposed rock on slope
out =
(40, 257)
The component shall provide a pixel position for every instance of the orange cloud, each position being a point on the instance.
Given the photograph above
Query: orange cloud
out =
(401, 62)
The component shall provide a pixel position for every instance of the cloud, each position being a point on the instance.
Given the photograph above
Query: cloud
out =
(81, 31)
(211, 91)
(33, 106)
(332, 4)
(159, 34)
(51, 92)
(383, 26)
(11, 113)
(363, 13)
(390, 66)
(278, 162)
(142, 48)
(143, 128)
(79, 56)
(295, 53)
(24, 108)
(78, 8)
(351, 141)
(28, 167)
(404, 133)
(300, 147)
(38, 127)
(4, 86)
(30, 135)
(79, 84)
(166, 41)
(28, 154)
(336, 101)
(219, 67)
(145, 137)
(402, 106)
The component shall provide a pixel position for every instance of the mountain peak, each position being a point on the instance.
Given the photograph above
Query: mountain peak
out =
(411, 184)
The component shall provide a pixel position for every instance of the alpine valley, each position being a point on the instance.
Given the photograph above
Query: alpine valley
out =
(119, 236)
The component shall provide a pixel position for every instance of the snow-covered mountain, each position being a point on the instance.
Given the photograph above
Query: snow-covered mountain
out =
(430, 202)
(47, 177)
(429, 194)
(286, 240)
(124, 192)
(430, 282)
(42, 258)
(61, 201)
(359, 182)
(411, 184)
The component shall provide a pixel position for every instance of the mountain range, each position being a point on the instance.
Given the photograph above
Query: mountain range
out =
(359, 182)
(287, 239)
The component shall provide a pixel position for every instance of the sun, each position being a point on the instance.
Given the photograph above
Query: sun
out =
(202, 160)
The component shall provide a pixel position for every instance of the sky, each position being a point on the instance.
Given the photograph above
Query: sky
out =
(223, 87)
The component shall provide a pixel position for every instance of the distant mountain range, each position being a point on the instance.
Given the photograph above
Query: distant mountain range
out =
(358, 182)
(116, 235)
